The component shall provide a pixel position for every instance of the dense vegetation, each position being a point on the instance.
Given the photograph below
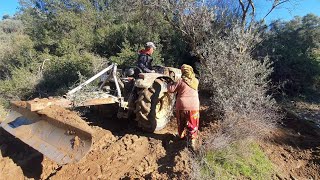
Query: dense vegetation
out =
(49, 44)
(294, 48)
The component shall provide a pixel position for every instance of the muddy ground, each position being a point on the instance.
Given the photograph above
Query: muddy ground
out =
(121, 151)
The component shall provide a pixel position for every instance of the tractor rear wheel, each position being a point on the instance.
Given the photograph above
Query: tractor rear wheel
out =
(154, 107)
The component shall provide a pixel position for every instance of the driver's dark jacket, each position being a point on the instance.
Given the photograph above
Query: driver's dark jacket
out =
(145, 62)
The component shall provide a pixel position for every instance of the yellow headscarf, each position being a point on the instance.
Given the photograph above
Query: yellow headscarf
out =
(189, 77)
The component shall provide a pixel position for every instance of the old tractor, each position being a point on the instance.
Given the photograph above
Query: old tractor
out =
(50, 126)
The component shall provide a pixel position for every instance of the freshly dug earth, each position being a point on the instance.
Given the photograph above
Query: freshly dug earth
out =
(118, 152)
(294, 148)
(65, 117)
(9, 170)
(123, 152)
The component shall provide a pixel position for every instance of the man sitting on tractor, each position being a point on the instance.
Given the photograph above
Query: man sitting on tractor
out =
(145, 59)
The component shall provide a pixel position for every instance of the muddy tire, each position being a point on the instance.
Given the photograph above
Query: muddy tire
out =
(153, 107)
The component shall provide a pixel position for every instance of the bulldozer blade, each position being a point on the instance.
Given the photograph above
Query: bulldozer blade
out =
(60, 141)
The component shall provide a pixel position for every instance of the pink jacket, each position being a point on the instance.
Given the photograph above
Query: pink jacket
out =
(187, 98)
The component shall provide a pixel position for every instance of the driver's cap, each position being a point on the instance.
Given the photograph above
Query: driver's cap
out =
(150, 45)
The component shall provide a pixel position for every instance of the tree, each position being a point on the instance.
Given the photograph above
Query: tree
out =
(6, 16)
(293, 47)
(16, 48)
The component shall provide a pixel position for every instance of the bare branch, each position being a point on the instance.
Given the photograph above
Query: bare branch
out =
(245, 9)
(252, 14)
(242, 5)
(275, 4)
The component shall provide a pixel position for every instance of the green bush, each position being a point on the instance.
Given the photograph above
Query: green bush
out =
(3, 108)
(16, 48)
(239, 85)
(61, 73)
(3, 113)
(294, 47)
(21, 84)
(127, 57)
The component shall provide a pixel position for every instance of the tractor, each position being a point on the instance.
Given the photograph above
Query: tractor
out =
(50, 126)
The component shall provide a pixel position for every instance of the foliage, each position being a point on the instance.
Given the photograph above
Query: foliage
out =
(22, 84)
(294, 49)
(16, 48)
(3, 108)
(18, 61)
(238, 161)
(54, 81)
(240, 85)
(57, 40)
(60, 27)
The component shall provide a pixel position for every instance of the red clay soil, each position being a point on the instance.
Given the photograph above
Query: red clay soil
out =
(65, 117)
(9, 170)
(294, 148)
(128, 153)
(133, 155)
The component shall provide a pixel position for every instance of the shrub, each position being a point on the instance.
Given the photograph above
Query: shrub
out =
(294, 48)
(239, 84)
(3, 111)
(21, 85)
(97, 63)
(61, 73)
(127, 57)
(16, 48)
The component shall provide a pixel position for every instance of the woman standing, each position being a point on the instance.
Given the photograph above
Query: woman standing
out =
(187, 104)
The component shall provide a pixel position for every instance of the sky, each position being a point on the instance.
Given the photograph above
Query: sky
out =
(8, 7)
(286, 12)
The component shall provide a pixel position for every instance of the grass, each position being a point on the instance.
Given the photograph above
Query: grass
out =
(237, 162)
